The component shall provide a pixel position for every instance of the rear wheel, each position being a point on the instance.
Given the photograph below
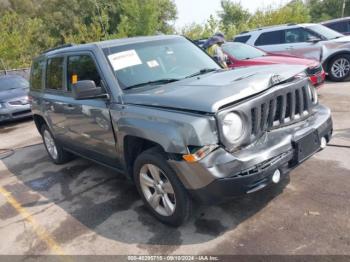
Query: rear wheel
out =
(57, 154)
(339, 68)
(160, 189)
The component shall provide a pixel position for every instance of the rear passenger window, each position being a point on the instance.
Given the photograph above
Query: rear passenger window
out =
(54, 73)
(270, 38)
(36, 74)
(242, 39)
(81, 67)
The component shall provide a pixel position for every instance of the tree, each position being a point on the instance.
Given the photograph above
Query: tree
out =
(293, 12)
(21, 39)
(321, 10)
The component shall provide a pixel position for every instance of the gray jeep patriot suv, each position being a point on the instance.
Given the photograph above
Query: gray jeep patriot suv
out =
(161, 111)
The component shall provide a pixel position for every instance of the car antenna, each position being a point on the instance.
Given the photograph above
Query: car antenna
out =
(3, 65)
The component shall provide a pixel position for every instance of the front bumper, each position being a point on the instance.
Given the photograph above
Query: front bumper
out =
(9, 113)
(222, 175)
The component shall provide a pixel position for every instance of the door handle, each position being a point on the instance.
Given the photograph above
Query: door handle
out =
(290, 48)
(69, 107)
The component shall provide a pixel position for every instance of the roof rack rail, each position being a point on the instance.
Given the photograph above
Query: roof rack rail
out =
(290, 24)
(58, 47)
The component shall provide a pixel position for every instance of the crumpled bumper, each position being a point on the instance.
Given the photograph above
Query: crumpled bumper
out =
(222, 175)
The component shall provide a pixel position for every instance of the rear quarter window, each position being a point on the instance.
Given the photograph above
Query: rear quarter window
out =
(36, 75)
(242, 39)
(270, 38)
(54, 73)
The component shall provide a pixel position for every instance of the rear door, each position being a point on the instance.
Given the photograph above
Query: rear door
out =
(88, 121)
(53, 97)
(294, 41)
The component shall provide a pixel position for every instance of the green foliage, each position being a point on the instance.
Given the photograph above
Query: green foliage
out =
(30, 26)
(17, 35)
(321, 10)
(293, 12)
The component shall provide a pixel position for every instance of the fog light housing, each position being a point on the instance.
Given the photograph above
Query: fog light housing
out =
(276, 177)
(323, 142)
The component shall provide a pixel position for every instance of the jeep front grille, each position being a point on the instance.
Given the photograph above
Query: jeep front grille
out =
(282, 109)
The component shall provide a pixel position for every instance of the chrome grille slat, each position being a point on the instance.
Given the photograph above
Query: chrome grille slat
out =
(292, 106)
(264, 116)
(282, 109)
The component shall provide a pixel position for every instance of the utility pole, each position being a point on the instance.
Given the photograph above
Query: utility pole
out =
(100, 18)
(3, 65)
(343, 9)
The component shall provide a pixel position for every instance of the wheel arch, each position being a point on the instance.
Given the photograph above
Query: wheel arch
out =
(133, 146)
(329, 58)
(39, 121)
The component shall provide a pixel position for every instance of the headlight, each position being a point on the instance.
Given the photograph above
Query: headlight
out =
(233, 127)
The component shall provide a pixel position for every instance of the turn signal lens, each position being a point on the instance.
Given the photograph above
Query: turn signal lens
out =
(199, 154)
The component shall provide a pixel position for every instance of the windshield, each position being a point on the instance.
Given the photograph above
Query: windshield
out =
(7, 83)
(159, 61)
(325, 31)
(242, 51)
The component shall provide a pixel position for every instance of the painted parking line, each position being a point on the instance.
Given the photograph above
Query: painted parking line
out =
(39, 230)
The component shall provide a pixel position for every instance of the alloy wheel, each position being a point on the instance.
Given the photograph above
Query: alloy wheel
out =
(157, 189)
(50, 144)
(340, 67)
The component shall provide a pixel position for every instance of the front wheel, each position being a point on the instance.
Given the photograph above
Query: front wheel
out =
(160, 189)
(339, 68)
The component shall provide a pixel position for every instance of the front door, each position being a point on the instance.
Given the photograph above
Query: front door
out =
(88, 123)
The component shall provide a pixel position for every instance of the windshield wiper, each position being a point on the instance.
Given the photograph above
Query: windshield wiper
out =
(202, 72)
(155, 82)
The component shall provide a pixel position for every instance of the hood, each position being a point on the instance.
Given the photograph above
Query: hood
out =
(281, 59)
(210, 92)
(342, 39)
(7, 95)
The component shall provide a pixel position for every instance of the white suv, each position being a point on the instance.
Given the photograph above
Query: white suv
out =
(305, 40)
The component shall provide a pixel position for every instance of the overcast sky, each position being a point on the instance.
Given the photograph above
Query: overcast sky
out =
(198, 11)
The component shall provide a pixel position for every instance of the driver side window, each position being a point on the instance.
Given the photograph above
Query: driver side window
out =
(81, 67)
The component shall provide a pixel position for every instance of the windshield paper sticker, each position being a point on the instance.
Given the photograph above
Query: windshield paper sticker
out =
(152, 63)
(124, 59)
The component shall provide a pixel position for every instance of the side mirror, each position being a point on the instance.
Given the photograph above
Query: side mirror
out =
(314, 40)
(86, 89)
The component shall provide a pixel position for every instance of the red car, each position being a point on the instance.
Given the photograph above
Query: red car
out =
(240, 54)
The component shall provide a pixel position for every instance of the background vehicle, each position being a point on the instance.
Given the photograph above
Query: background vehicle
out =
(240, 54)
(14, 102)
(312, 41)
(162, 112)
(341, 25)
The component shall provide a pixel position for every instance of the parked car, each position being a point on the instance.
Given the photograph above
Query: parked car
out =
(341, 25)
(174, 122)
(14, 102)
(311, 41)
(240, 55)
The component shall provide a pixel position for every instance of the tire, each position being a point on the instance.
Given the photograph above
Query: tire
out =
(339, 68)
(173, 213)
(55, 151)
